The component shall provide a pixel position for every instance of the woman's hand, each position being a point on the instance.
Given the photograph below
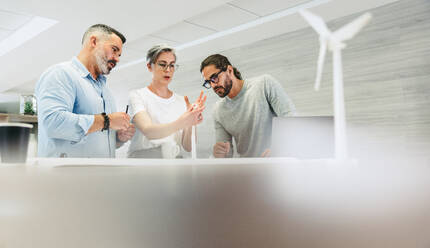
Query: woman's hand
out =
(193, 116)
(197, 105)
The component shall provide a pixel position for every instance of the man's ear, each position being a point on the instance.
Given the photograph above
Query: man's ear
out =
(230, 70)
(93, 41)
(149, 67)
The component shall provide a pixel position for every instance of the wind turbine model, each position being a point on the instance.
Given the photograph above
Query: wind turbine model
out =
(334, 41)
(193, 139)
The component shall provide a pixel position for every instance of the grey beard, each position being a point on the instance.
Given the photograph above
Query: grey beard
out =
(102, 63)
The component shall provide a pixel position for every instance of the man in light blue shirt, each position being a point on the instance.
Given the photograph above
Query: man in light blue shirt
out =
(76, 111)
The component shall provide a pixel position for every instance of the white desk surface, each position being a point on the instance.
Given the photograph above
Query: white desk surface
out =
(212, 203)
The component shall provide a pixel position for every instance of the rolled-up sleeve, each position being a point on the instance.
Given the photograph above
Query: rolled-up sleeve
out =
(56, 98)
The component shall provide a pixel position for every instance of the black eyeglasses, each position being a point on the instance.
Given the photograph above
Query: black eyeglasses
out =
(164, 66)
(214, 79)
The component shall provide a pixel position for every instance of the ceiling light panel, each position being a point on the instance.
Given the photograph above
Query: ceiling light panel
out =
(183, 32)
(4, 33)
(223, 17)
(28, 31)
(267, 7)
(12, 21)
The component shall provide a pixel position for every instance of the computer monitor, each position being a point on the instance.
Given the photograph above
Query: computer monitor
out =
(303, 137)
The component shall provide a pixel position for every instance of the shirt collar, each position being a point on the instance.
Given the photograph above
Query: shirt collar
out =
(83, 71)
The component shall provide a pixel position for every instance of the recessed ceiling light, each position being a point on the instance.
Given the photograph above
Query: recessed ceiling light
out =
(28, 31)
(239, 28)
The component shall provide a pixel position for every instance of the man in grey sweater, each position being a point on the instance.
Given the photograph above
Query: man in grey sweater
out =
(247, 112)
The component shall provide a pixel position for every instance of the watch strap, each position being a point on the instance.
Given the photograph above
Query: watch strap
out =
(106, 123)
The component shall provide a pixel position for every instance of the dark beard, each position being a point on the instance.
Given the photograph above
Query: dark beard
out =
(227, 88)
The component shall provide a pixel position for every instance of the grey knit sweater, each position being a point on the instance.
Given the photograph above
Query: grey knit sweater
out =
(248, 116)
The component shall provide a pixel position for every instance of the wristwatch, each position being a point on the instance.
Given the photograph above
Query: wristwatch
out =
(106, 122)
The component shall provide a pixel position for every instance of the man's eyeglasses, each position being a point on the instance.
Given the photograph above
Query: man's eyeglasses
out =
(214, 79)
(164, 66)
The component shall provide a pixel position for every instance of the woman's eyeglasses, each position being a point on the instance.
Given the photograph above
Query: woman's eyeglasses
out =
(165, 66)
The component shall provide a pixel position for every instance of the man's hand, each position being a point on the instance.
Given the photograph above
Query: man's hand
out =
(221, 149)
(266, 153)
(125, 135)
(119, 121)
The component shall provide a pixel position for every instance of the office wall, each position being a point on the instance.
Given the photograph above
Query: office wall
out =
(9, 107)
(386, 74)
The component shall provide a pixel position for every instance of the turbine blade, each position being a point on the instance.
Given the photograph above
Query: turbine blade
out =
(320, 65)
(316, 22)
(351, 29)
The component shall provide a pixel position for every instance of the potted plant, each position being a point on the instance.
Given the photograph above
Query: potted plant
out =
(28, 108)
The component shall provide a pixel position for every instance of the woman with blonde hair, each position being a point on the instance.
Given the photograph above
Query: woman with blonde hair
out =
(163, 119)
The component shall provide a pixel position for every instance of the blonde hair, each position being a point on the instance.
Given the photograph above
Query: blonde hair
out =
(156, 50)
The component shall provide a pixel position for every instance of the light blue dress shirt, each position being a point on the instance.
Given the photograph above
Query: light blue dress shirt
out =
(67, 99)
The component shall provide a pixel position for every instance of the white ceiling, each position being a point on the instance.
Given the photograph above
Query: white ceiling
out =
(263, 8)
(231, 16)
(144, 23)
(12, 21)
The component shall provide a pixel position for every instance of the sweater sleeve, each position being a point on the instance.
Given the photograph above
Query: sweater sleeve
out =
(277, 98)
(221, 135)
